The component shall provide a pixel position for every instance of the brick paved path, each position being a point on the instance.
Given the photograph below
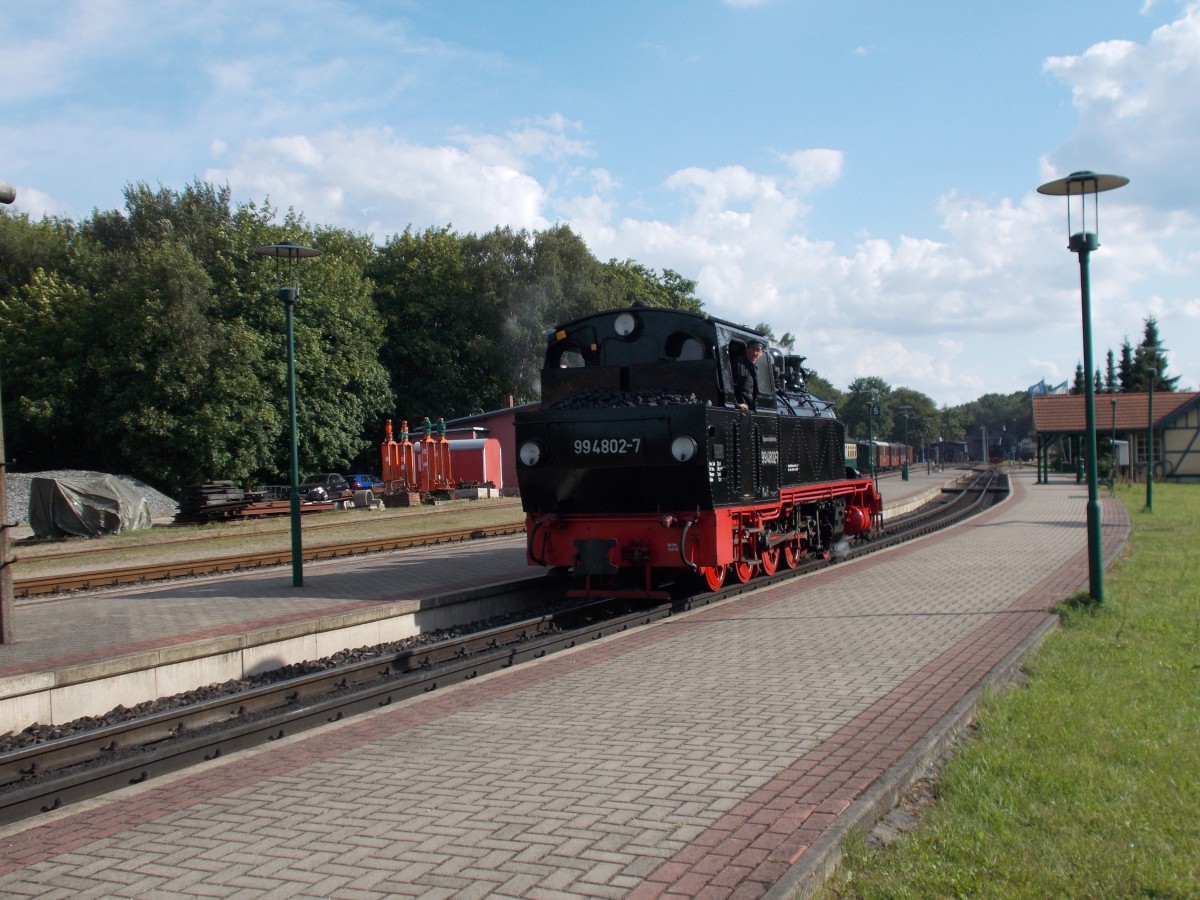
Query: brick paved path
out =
(720, 753)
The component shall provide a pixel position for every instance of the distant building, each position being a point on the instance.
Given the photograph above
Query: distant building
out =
(498, 424)
(1060, 423)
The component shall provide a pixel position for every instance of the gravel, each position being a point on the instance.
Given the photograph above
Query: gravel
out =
(17, 487)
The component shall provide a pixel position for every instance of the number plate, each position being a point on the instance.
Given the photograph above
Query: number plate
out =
(616, 446)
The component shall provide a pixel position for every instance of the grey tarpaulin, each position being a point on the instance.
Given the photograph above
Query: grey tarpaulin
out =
(85, 505)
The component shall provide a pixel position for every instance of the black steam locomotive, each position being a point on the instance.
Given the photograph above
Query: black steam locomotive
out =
(640, 464)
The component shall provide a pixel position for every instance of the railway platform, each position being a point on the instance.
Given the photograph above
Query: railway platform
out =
(186, 630)
(722, 752)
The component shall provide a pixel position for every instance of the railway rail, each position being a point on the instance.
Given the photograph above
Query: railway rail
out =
(57, 772)
(41, 549)
(115, 576)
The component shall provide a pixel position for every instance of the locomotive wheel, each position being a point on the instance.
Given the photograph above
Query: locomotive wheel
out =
(714, 576)
(791, 555)
(744, 571)
(770, 561)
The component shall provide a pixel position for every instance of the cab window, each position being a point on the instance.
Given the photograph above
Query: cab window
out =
(684, 347)
(565, 355)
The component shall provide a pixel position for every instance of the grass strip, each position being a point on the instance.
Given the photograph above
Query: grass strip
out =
(1085, 783)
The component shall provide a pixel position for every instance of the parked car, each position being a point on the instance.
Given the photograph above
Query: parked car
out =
(363, 482)
(324, 486)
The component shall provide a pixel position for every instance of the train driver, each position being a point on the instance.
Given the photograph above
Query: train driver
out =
(745, 375)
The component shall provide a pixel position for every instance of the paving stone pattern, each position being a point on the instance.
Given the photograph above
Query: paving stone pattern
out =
(702, 756)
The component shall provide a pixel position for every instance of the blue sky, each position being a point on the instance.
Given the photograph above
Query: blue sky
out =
(862, 174)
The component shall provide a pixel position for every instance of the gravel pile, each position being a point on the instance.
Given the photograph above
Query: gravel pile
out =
(17, 487)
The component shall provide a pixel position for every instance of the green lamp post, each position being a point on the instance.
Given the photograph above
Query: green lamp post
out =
(8, 631)
(1112, 443)
(904, 408)
(872, 412)
(1083, 242)
(289, 296)
(1152, 371)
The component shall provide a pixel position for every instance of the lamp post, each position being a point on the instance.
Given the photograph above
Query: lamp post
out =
(1112, 442)
(1150, 444)
(904, 409)
(1152, 371)
(872, 412)
(1083, 242)
(290, 296)
(8, 631)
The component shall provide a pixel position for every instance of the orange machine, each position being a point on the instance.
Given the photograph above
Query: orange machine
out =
(399, 463)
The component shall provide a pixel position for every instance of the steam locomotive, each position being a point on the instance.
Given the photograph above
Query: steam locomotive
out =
(639, 466)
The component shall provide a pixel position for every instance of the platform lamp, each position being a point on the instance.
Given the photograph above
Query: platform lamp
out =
(872, 412)
(1083, 242)
(8, 632)
(290, 295)
(1152, 371)
(904, 409)
(1112, 442)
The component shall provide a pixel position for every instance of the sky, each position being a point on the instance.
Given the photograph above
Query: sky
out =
(861, 174)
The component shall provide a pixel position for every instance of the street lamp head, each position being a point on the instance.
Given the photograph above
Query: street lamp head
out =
(1150, 357)
(287, 250)
(1080, 184)
(1083, 183)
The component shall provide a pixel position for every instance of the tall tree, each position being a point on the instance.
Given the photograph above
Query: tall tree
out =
(1151, 359)
(1111, 384)
(1078, 386)
(627, 282)
(43, 341)
(956, 420)
(866, 396)
(922, 415)
(27, 246)
(440, 328)
(1131, 377)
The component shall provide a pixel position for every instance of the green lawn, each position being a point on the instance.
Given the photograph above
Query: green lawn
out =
(1086, 782)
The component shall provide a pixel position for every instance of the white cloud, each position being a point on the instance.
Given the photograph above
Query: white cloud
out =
(384, 183)
(815, 168)
(1139, 111)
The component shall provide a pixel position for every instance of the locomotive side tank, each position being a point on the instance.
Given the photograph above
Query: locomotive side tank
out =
(639, 465)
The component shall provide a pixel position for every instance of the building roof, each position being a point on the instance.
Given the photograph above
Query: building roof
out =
(1068, 414)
